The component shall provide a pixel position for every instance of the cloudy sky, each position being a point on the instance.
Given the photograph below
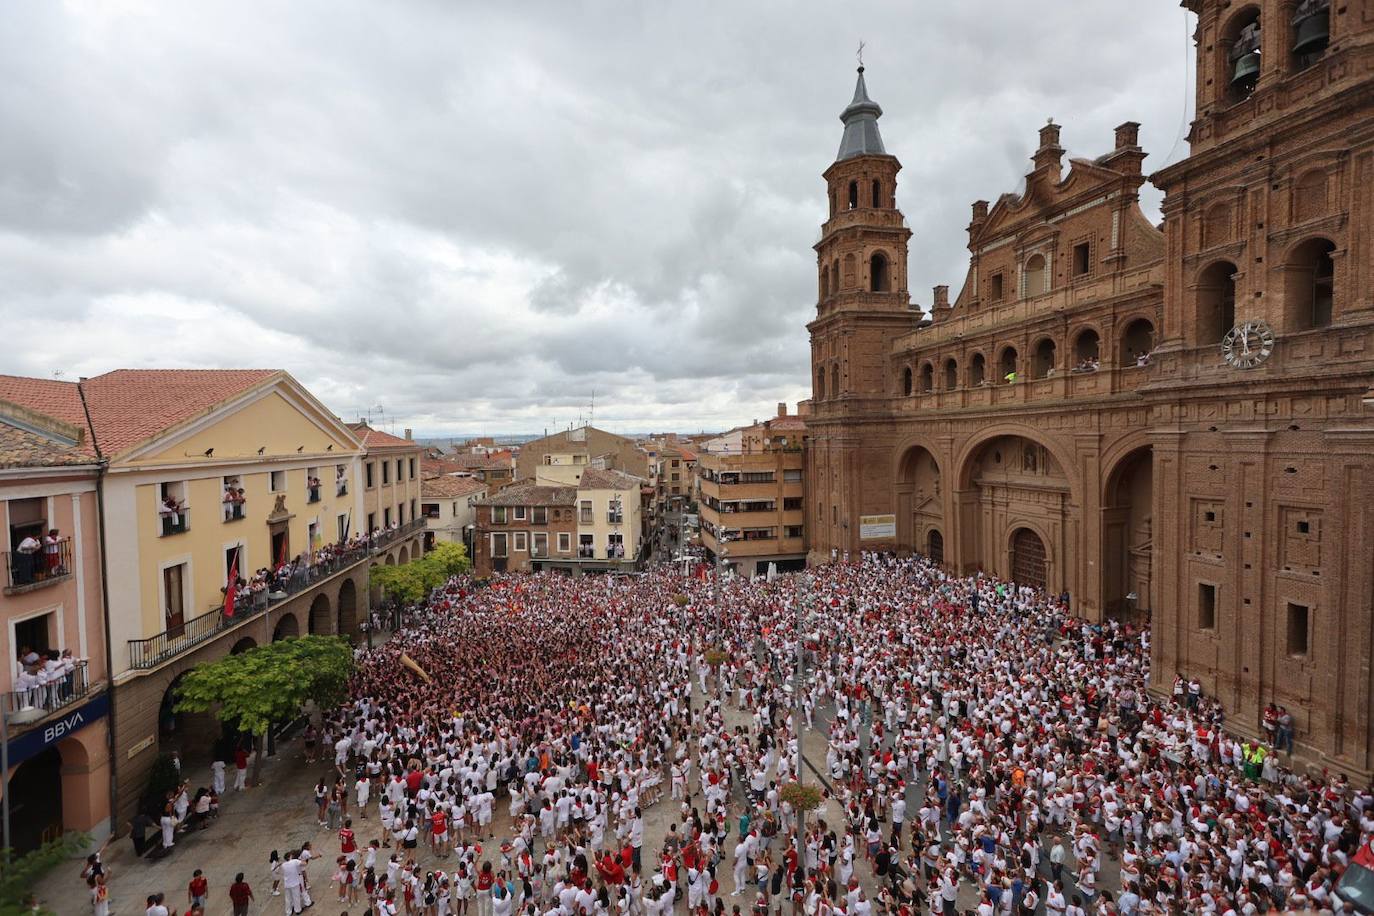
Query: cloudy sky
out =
(481, 215)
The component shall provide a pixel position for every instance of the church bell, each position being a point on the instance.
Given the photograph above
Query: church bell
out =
(1313, 21)
(1247, 69)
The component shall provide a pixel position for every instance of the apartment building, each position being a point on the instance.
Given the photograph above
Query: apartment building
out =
(752, 484)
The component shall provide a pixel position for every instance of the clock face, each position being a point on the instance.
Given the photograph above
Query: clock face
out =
(1247, 344)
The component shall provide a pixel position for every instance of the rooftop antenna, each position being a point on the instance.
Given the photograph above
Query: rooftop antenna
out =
(591, 416)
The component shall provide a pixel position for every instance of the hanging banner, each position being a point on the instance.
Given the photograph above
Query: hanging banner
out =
(877, 527)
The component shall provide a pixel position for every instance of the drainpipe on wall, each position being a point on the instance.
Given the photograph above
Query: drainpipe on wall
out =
(110, 743)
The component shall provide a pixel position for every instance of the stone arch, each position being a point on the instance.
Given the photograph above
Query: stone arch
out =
(1063, 456)
(879, 273)
(1007, 364)
(977, 369)
(820, 383)
(919, 490)
(1137, 341)
(190, 733)
(320, 615)
(1087, 346)
(834, 380)
(1043, 357)
(1236, 27)
(834, 276)
(825, 281)
(951, 374)
(1309, 284)
(287, 628)
(390, 560)
(348, 608)
(906, 381)
(1214, 302)
(243, 645)
(1034, 276)
(403, 555)
(1127, 537)
(927, 384)
(36, 802)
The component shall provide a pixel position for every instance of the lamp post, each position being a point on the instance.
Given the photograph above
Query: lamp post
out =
(803, 606)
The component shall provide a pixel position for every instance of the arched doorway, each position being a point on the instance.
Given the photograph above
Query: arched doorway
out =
(348, 609)
(1008, 483)
(320, 615)
(36, 801)
(390, 560)
(918, 497)
(935, 546)
(1028, 566)
(287, 627)
(1127, 535)
(243, 645)
(403, 556)
(192, 734)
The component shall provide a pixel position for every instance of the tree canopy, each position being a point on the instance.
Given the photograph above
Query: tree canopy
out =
(269, 683)
(411, 583)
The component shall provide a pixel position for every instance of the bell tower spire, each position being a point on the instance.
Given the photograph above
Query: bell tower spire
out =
(861, 136)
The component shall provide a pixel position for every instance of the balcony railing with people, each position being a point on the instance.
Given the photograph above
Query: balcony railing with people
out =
(175, 520)
(261, 593)
(33, 569)
(41, 693)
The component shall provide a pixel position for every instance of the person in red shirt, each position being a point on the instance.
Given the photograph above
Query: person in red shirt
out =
(240, 769)
(348, 843)
(438, 833)
(240, 895)
(197, 889)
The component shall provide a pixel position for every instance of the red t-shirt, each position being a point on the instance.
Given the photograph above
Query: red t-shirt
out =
(346, 842)
(413, 779)
(440, 822)
(198, 886)
(240, 893)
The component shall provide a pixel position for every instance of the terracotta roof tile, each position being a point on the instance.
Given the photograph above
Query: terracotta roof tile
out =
(532, 494)
(599, 479)
(23, 448)
(376, 438)
(450, 487)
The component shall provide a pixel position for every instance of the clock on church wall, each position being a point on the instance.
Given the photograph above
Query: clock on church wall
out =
(1247, 344)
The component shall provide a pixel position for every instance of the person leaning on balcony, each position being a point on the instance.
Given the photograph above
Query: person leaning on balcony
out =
(28, 557)
(52, 552)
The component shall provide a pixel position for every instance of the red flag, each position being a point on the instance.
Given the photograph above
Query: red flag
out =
(231, 589)
(281, 560)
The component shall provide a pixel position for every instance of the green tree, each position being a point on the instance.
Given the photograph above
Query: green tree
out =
(19, 877)
(411, 582)
(269, 684)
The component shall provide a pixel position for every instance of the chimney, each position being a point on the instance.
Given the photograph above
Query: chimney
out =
(1050, 154)
(980, 218)
(782, 408)
(941, 309)
(408, 435)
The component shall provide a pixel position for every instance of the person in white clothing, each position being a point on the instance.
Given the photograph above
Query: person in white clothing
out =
(293, 883)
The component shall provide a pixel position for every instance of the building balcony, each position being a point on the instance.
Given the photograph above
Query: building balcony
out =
(145, 654)
(178, 522)
(312, 494)
(37, 703)
(27, 572)
(234, 510)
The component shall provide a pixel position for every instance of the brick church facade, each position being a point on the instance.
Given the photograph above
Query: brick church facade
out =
(1173, 422)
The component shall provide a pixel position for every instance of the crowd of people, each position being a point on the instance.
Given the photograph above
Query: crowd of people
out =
(978, 747)
(47, 679)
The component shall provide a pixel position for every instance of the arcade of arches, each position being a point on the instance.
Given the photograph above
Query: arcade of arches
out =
(64, 788)
(1012, 510)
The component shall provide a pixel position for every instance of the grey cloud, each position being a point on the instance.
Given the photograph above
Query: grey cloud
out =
(480, 213)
